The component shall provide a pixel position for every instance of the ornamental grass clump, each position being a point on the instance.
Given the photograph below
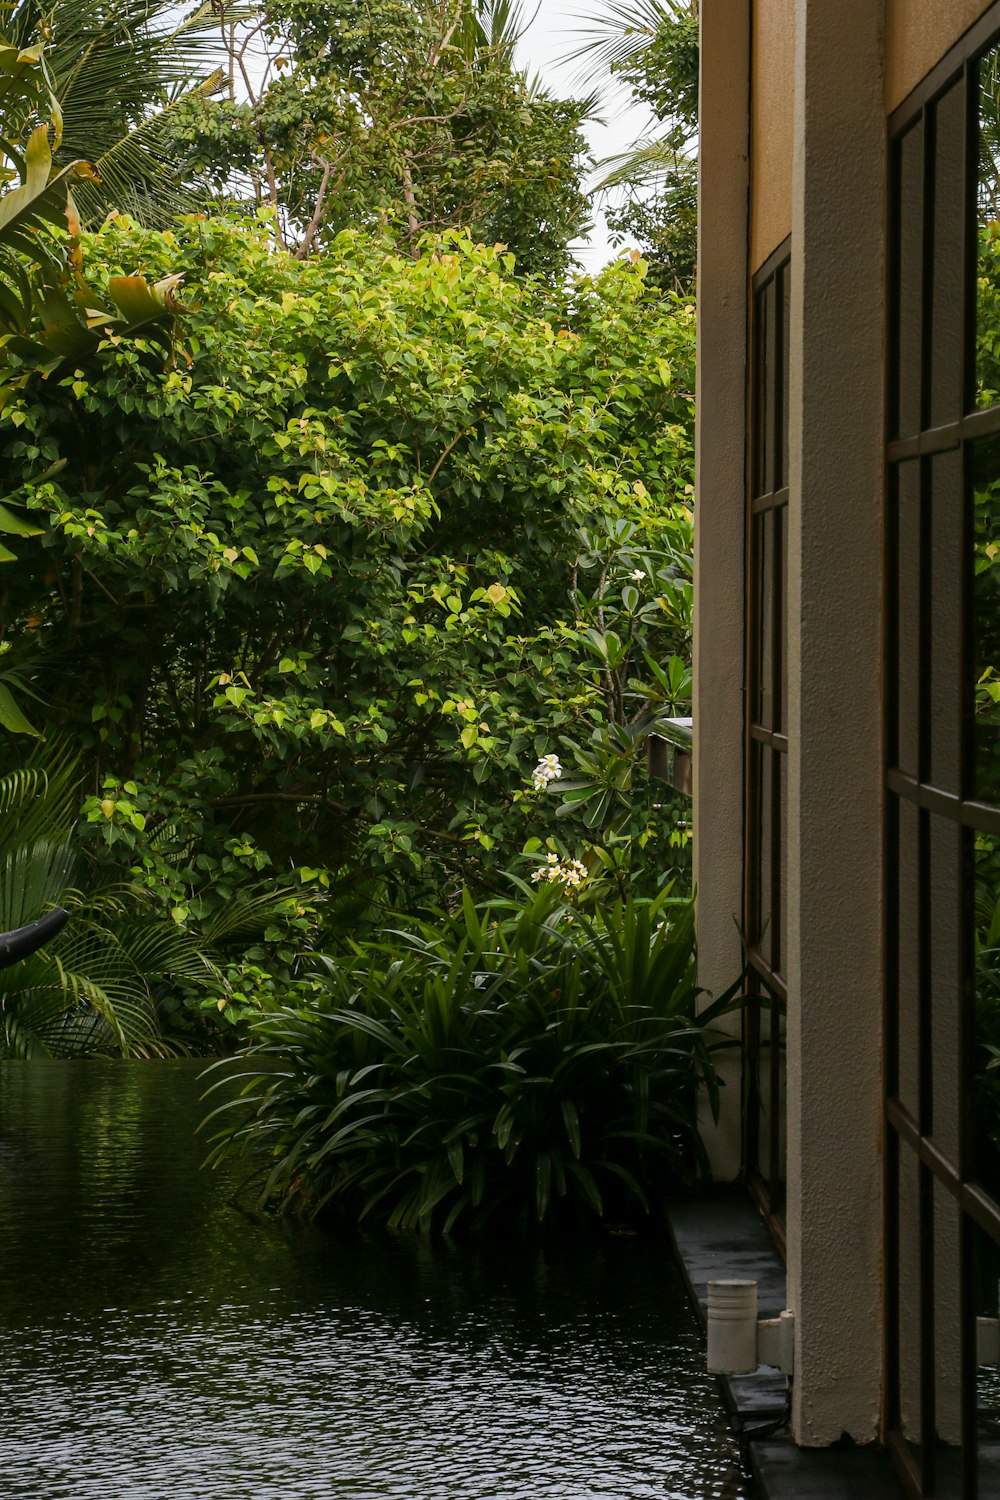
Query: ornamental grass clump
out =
(513, 1062)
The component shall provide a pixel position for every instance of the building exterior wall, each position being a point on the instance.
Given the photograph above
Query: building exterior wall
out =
(795, 99)
(834, 926)
(719, 478)
(917, 34)
(772, 93)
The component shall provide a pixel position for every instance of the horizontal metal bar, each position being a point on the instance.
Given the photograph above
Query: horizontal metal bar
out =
(769, 737)
(770, 976)
(944, 439)
(971, 1198)
(776, 500)
(963, 810)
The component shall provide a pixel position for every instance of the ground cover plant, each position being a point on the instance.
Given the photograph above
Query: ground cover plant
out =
(522, 1061)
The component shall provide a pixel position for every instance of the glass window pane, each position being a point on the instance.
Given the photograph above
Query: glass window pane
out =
(986, 543)
(988, 214)
(911, 955)
(782, 857)
(987, 1012)
(910, 604)
(946, 567)
(764, 1089)
(765, 804)
(763, 458)
(910, 168)
(987, 1305)
(785, 294)
(908, 1303)
(949, 260)
(764, 528)
(781, 600)
(946, 988)
(947, 1346)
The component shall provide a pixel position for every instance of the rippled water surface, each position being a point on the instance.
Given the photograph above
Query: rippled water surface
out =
(158, 1343)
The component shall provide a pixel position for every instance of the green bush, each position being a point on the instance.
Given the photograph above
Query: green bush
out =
(519, 1060)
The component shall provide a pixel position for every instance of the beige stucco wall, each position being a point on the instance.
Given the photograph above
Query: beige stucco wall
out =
(773, 91)
(917, 34)
(834, 931)
(719, 521)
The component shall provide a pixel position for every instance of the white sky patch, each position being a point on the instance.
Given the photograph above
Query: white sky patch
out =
(558, 27)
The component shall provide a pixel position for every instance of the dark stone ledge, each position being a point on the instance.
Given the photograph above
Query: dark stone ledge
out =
(717, 1235)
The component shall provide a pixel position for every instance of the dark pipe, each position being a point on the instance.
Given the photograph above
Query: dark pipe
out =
(25, 940)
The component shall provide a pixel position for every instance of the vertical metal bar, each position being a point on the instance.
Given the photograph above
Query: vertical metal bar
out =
(751, 849)
(967, 780)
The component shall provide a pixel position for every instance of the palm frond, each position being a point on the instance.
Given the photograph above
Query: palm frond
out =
(648, 164)
(620, 32)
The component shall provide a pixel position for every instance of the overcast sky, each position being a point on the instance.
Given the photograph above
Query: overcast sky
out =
(559, 26)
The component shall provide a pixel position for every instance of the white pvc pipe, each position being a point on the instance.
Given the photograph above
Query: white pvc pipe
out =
(732, 1327)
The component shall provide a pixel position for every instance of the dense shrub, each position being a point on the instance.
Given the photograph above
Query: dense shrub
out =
(521, 1060)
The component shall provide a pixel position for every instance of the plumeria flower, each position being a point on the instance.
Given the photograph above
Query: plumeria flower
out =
(637, 575)
(548, 769)
(570, 873)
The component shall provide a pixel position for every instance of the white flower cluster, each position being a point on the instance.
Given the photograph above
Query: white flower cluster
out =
(548, 769)
(569, 873)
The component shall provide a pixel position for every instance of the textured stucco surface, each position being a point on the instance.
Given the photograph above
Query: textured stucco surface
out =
(917, 34)
(835, 770)
(772, 93)
(719, 523)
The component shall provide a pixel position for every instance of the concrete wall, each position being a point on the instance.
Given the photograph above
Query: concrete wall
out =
(834, 938)
(772, 96)
(917, 34)
(719, 524)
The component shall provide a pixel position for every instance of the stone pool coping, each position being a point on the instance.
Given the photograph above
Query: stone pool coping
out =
(720, 1234)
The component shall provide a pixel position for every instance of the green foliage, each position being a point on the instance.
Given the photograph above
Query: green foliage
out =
(118, 73)
(651, 46)
(401, 117)
(516, 1062)
(345, 560)
(93, 989)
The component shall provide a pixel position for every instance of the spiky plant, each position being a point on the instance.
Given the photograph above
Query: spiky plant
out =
(513, 1062)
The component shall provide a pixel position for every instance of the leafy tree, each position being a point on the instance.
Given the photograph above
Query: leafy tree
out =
(117, 74)
(374, 536)
(652, 48)
(402, 117)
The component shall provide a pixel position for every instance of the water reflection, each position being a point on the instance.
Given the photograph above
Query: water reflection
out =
(155, 1341)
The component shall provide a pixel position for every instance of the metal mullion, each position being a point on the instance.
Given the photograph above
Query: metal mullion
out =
(768, 737)
(759, 964)
(967, 787)
(752, 752)
(982, 817)
(771, 348)
(969, 1361)
(774, 500)
(906, 1466)
(928, 146)
(928, 1392)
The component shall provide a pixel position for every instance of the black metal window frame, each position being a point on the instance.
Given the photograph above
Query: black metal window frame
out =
(921, 813)
(766, 736)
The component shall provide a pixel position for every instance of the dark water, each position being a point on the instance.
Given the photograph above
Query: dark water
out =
(157, 1343)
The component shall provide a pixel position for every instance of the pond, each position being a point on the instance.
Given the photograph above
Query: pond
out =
(159, 1343)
